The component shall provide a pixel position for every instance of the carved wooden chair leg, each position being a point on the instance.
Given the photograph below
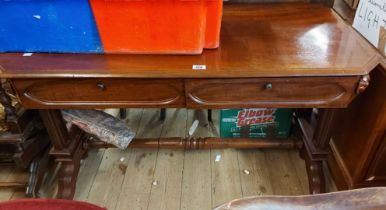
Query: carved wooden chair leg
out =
(122, 113)
(37, 171)
(162, 114)
(210, 115)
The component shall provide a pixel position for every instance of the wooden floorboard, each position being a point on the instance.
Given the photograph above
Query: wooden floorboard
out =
(226, 172)
(196, 184)
(284, 178)
(17, 175)
(6, 174)
(88, 171)
(166, 189)
(300, 170)
(139, 175)
(152, 179)
(255, 178)
(108, 182)
(226, 184)
(18, 194)
(107, 185)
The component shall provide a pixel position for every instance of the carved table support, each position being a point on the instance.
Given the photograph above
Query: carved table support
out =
(315, 149)
(314, 167)
(316, 141)
(67, 149)
(68, 173)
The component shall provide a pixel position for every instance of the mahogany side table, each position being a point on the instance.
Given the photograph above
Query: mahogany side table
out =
(297, 55)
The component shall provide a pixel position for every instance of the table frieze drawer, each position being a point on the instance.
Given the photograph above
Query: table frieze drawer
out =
(100, 93)
(271, 92)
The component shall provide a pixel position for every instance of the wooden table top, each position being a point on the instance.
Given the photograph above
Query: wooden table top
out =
(257, 40)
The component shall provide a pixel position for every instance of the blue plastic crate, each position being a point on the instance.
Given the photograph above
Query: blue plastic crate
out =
(48, 26)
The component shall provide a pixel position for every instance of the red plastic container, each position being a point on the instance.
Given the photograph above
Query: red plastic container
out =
(158, 26)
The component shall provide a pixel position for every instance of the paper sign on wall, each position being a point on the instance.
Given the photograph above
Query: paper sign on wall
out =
(370, 17)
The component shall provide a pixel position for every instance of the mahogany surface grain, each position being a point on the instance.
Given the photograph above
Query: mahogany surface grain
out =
(257, 40)
(358, 144)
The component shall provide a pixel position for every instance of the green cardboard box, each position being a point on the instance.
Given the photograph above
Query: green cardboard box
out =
(255, 123)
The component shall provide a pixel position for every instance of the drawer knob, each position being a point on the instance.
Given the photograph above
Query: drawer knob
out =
(268, 86)
(101, 86)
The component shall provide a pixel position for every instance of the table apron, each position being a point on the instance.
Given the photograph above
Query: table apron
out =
(85, 93)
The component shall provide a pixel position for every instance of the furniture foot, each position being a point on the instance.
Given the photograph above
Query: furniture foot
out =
(210, 115)
(162, 114)
(316, 179)
(67, 180)
(122, 114)
(68, 172)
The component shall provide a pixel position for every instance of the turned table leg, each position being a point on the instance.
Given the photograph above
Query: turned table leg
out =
(67, 150)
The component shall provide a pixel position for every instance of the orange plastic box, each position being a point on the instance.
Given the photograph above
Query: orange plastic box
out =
(158, 26)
